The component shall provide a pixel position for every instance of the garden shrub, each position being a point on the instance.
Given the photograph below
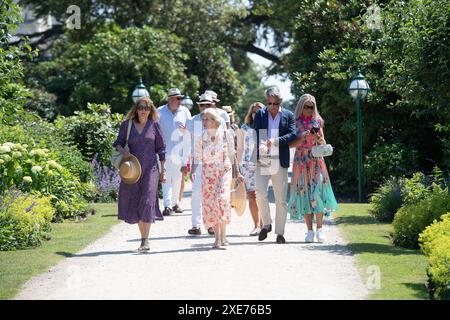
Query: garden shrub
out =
(25, 219)
(435, 243)
(92, 132)
(412, 219)
(34, 170)
(389, 159)
(416, 188)
(387, 199)
(41, 134)
(43, 103)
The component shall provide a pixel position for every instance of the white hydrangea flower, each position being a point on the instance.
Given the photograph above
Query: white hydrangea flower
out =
(54, 164)
(5, 149)
(17, 154)
(27, 179)
(36, 169)
(38, 152)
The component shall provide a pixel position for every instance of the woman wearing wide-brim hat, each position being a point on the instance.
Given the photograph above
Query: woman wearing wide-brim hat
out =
(138, 169)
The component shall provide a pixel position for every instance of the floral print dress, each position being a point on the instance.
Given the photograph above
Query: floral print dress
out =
(216, 176)
(311, 190)
(248, 163)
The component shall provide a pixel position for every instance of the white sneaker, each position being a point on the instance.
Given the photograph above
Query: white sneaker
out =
(320, 235)
(309, 236)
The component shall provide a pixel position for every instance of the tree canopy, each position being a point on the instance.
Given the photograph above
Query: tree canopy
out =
(399, 46)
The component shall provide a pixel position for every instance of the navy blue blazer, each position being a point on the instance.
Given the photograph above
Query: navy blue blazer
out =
(287, 132)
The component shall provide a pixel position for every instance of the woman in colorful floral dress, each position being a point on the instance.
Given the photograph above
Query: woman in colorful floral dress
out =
(246, 155)
(215, 149)
(311, 191)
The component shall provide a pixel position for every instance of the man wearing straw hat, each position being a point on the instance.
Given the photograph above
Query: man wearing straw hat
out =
(195, 127)
(173, 119)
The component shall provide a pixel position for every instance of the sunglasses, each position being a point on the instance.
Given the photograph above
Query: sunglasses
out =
(143, 107)
(273, 104)
(309, 107)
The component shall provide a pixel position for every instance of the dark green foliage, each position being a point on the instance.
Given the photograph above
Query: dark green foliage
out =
(387, 199)
(389, 159)
(92, 132)
(107, 67)
(405, 117)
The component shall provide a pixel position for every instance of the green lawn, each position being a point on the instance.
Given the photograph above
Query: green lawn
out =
(17, 267)
(403, 271)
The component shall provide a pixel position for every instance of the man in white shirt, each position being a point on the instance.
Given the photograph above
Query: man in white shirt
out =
(195, 127)
(275, 129)
(173, 120)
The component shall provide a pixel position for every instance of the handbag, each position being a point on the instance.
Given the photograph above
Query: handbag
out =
(238, 197)
(116, 156)
(323, 150)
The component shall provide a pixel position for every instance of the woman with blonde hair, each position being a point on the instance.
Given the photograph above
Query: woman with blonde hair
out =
(138, 203)
(215, 150)
(246, 155)
(311, 191)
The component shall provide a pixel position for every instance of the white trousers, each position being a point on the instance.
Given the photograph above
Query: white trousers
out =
(171, 188)
(196, 199)
(279, 177)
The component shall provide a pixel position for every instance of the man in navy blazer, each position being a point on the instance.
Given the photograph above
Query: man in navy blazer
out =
(275, 129)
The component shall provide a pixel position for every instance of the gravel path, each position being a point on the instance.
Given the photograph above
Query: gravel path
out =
(184, 267)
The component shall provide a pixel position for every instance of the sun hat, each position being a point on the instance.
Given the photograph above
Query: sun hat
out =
(205, 99)
(174, 92)
(228, 109)
(213, 95)
(130, 170)
(239, 198)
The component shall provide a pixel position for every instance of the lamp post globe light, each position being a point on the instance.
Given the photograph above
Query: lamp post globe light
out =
(358, 89)
(187, 102)
(139, 92)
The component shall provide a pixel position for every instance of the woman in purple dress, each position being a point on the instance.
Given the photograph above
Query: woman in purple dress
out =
(138, 203)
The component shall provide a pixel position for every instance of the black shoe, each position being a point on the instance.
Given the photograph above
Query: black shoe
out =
(177, 209)
(270, 228)
(263, 234)
(211, 231)
(167, 211)
(280, 239)
(195, 231)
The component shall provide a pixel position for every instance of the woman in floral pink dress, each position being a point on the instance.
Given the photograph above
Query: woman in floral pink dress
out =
(311, 191)
(215, 149)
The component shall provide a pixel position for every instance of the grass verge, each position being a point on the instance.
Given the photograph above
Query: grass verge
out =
(17, 267)
(403, 271)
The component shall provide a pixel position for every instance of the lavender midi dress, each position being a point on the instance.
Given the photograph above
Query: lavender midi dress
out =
(139, 201)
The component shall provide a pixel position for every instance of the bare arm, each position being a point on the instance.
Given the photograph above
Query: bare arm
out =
(196, 156)
(321, 137)
(123, 152)
(299, 140)
(240, 145)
